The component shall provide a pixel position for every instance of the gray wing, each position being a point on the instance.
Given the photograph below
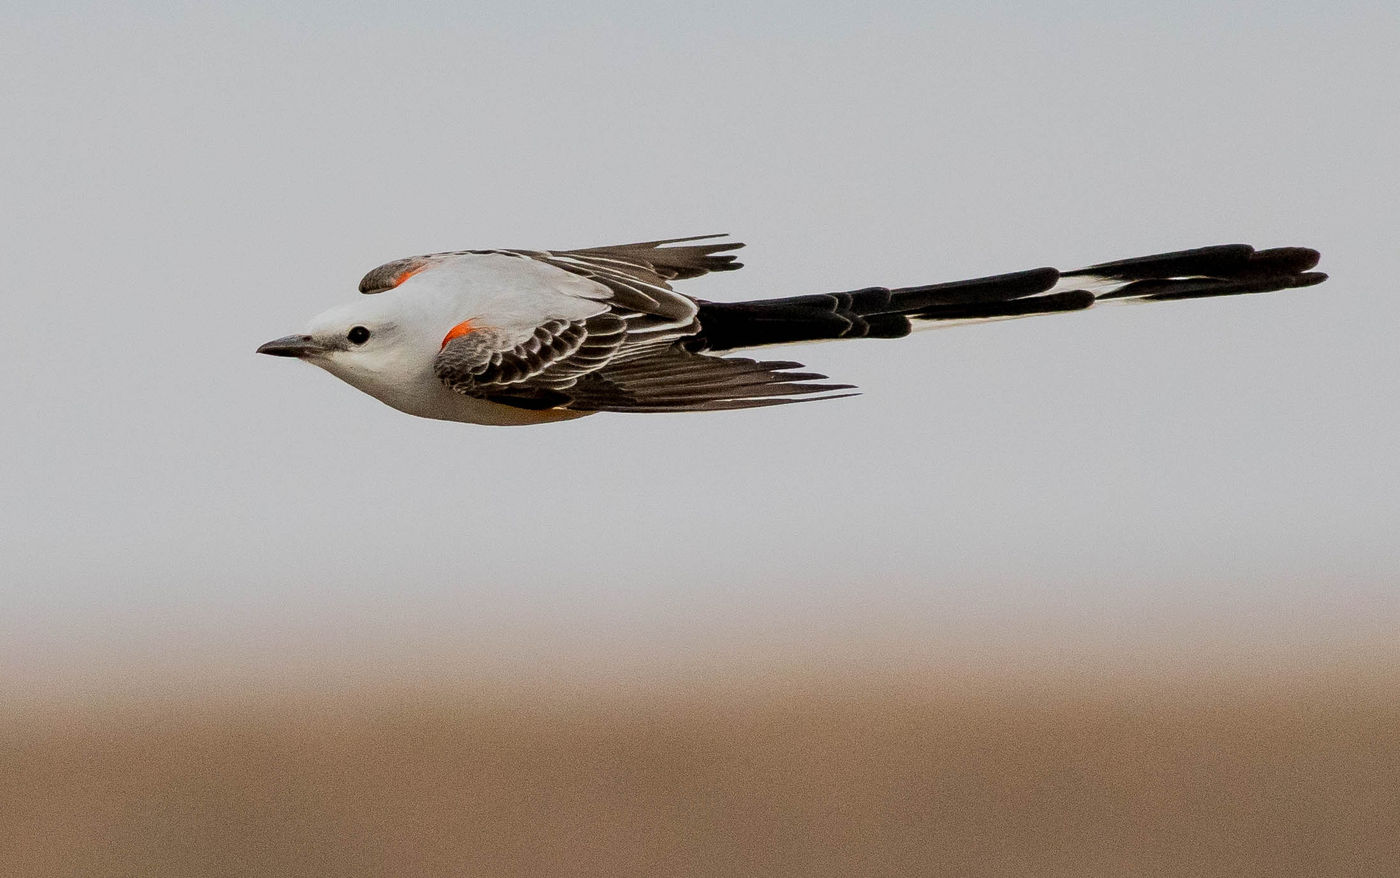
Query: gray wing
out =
(489, 365)
(679, 381)
(629, 357)
(656, 261)
(576, 366)
(637, 279)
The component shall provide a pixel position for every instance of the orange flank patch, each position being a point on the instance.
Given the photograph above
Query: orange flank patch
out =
(461, 329)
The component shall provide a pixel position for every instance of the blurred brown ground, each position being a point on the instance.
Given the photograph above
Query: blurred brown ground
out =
(852, 773)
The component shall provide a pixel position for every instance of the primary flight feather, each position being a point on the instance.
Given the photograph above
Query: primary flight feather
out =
(527, 336)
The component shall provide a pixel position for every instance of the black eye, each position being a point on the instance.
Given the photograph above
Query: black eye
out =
(357, 335)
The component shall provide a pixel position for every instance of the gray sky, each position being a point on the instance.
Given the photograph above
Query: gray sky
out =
(182, 184)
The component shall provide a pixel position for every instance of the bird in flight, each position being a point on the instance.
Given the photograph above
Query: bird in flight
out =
(507, 337)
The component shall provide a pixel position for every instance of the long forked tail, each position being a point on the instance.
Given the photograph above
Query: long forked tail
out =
(878, 312)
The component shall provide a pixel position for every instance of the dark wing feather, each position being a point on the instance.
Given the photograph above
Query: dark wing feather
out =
(657, 262)
(648, 371)
(483, 363)
(636, 277)
(576, 366)
(677, 381)
(644, 316)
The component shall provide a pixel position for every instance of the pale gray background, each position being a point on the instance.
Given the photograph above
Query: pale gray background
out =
(181, 184)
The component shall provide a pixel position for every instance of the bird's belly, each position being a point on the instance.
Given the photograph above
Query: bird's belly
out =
(448, 405)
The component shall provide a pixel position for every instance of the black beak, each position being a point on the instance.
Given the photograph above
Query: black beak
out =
(291, 346)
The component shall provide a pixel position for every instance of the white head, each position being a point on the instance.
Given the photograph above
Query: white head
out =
(383, 345)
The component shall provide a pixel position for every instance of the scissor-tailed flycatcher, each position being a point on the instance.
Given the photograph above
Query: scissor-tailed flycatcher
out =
(526, 336)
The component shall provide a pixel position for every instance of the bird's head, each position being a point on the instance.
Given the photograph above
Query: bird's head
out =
(373, 344)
